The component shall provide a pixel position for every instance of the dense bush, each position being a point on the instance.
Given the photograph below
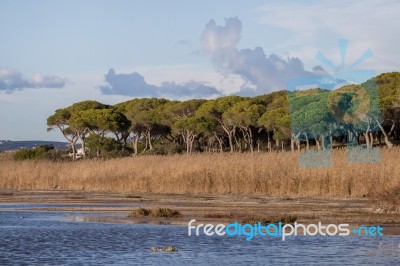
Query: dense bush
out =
(106, 147)
(166, 148)
(45, 152)
(55, 155)
(32, 154)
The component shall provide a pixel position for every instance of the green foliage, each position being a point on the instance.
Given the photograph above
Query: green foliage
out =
(33, 154)
(105, 147)
(87, 105)
(309, 112)
(214, 109)
(26, 154)
(100, 121)
(244, 113)
(167, 148)
(160, 126)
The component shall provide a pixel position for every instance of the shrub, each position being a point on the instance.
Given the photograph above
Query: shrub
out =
(165, 213)
(106, 147)
(159, 213)
(169, 148)
(141, 212)
(46, 152)
(55, 155)
(29, 154)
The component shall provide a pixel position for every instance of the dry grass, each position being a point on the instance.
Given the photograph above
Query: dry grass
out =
(6, 156)
(275, 174)
(155, 213)
(285, 219)
(390, 198)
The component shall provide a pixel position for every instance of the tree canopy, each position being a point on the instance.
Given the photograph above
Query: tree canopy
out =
(362, 113)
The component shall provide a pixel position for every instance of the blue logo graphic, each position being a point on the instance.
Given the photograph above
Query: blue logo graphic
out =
(335, 106)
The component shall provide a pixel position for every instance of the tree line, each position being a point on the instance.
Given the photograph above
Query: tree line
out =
(351, 115)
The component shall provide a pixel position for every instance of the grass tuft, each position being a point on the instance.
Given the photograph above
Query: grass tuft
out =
(140, 212)
(155, 213)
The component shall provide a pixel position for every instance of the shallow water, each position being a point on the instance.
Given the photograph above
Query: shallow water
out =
(48, 238)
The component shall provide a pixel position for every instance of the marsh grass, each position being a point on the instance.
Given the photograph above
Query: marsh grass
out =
(138, 213)
(155, 213)
(270, 174)
(391, 198)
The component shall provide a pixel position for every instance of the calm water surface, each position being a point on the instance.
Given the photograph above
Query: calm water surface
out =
(47, 238)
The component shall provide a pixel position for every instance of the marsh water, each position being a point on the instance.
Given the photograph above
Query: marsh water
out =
(49, 238)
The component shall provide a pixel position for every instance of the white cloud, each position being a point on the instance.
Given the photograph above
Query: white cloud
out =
(316, 25)
(264, 72)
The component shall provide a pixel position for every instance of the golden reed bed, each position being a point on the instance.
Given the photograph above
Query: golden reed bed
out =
(273, 174)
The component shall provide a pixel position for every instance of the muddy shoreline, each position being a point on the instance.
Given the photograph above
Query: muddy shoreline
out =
(113, 208)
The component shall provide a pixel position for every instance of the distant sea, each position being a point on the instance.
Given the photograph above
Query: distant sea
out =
(9, 145)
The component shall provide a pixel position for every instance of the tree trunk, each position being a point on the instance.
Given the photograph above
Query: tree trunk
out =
(307, 141)
(230, 141)
(392, 128)
(239, 144)
(83, 146)
(386, 138)
(366, 135)
(318, 145)
(146, 142)
(291, 144)
(219, 142)
(136, 142)
(350, 138)
(371, 137)
(190, 137)
(268, 142)
(73, 150)
(150, 144)
(251, 141)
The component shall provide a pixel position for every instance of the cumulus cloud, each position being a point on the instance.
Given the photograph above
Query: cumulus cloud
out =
(11, 80)
(134, 84)
(265, 72)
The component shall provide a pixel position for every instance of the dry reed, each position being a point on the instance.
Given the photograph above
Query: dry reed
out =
(273, 174)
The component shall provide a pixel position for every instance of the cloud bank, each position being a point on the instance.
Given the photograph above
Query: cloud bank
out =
(134, 85)
(265, 72)
(11, 81)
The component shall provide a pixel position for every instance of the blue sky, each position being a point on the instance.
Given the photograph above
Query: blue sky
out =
(55, 53)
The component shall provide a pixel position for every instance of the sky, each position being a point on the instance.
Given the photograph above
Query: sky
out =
(56, 53)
